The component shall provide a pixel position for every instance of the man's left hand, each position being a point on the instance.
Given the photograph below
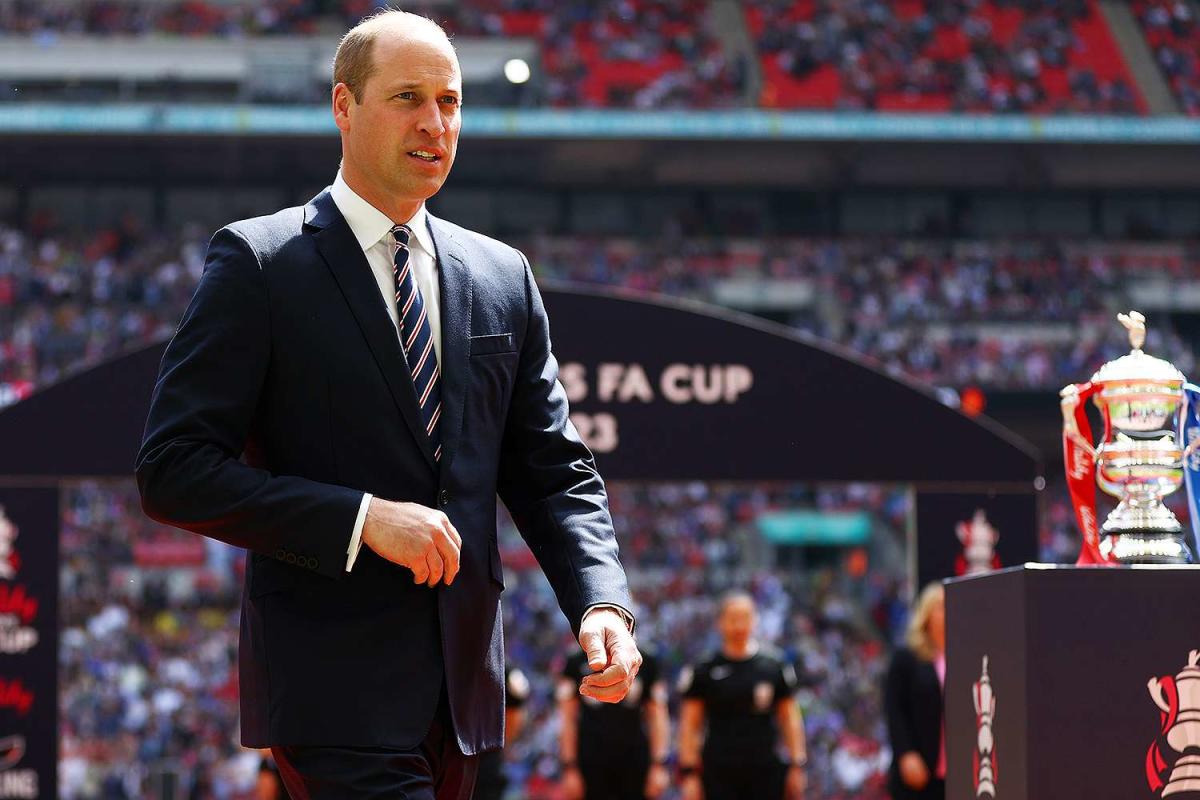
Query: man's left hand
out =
(797, 782)
(611, 653)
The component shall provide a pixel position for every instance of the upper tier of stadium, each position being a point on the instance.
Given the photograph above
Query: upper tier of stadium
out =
(1117, 57)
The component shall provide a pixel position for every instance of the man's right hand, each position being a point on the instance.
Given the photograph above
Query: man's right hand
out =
(414, 536)
(913, 771)
(572, 784)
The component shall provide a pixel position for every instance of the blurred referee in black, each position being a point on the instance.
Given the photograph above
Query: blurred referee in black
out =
(614, 752)
(491, 781)
(745, 695)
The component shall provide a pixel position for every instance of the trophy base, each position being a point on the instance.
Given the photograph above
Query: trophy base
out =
(1141, 547)
(1143, 531)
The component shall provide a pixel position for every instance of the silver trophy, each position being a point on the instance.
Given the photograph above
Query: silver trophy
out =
(1139, 459)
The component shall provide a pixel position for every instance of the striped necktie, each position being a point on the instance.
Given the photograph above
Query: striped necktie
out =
(416, 336)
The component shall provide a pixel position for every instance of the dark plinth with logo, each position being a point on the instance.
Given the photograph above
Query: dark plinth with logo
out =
(1067, 709)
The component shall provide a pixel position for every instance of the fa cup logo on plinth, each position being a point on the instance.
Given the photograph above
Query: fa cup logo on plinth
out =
(984, 761)
(1178, 699)
(978, 538)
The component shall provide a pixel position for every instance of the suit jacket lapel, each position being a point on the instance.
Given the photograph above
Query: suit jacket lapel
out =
(350, 268)
(456, 298)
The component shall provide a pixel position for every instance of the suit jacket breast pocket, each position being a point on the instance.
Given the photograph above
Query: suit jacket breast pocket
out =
(493, 369)
(493, 343)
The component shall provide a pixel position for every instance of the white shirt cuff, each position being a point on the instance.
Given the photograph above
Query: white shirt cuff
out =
(622, 613)
(356, 537)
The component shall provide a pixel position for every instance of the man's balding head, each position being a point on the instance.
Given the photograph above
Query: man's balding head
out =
(354, 62)
(396, 97)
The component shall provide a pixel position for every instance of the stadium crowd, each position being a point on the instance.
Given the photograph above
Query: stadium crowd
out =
(1172, 32)
(174, 18)
(70, 299)
(1044, 56)
(1032, 56)
(147, 659)
(148, 655)
(617, 53)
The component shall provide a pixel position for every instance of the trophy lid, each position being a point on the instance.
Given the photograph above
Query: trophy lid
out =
(1137, 365)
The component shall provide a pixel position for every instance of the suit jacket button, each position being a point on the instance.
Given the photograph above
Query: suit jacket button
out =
(280, 554)
(444, 498)
(291, 558)
(311, 563)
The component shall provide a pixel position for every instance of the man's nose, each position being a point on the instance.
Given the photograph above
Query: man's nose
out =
(430, 119)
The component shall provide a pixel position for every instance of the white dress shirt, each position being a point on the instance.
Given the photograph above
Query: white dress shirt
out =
(373, 230)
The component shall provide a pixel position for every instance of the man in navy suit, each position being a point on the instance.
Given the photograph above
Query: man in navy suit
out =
(352, 385)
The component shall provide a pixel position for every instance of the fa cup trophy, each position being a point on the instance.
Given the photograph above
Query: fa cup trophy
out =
(1139, 460)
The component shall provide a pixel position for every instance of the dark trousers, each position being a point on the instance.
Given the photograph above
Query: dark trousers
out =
(625, 781)
(491, 781)
(434, 770)
(762, 782)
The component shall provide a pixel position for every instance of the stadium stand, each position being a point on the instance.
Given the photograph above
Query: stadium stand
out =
(1171, 31)
(983, 56)
(1000, 314)
(996, 56)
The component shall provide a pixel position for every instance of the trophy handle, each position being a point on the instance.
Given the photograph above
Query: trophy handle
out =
(1158, 696)
(1079, 458)
(1082, 443)
(1072, 396)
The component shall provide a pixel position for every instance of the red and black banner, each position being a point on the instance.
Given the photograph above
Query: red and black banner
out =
(28, 642)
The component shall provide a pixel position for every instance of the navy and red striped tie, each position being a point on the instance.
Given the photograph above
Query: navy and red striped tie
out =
(416, 336)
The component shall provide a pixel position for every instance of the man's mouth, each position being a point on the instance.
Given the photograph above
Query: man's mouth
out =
(425, 155)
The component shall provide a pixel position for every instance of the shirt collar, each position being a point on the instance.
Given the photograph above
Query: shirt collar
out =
(369, 225)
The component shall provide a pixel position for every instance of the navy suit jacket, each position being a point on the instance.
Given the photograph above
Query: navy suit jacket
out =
(284, 395)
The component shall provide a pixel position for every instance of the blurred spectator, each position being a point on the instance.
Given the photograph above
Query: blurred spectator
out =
(914, 688)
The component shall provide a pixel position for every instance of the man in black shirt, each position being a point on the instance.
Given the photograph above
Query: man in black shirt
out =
(745, 695)
(614, 751)
(491, 781)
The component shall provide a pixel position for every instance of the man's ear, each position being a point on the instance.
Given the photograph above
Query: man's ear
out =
(342, 100)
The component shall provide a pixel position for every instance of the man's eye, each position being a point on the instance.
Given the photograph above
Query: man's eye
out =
(450, 100)
(405, 95)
